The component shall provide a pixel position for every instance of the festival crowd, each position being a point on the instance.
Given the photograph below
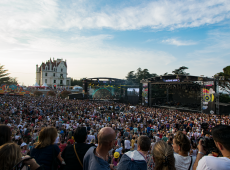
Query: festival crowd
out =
(47, 133)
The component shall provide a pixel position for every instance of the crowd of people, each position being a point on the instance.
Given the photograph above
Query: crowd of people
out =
(80, 134)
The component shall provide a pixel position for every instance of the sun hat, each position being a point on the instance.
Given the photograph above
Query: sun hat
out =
(116, 155)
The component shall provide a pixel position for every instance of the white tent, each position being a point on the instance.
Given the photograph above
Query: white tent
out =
(36, 85)
(45, 85)
(77, 88)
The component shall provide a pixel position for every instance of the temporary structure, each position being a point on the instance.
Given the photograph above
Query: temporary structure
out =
(45, 85)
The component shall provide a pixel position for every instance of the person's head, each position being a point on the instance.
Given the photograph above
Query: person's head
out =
(46, 137)
(143, 143)
(10, 155)
(116, 155)
(221, 136)
(163, 156)
(80, 135)
(106, 137)
(5, 134)
(181, 143)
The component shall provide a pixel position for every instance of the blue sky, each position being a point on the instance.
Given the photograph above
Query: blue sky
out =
(112, 37)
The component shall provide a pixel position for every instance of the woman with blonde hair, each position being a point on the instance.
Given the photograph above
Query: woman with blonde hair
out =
(163, 156)
(10, 155)
(45, 151)
(181, 146)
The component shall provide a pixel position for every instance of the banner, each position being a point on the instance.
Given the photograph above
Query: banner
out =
(145, 94)
(208, 98)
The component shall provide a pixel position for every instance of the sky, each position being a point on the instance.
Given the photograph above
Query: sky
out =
(109, 38)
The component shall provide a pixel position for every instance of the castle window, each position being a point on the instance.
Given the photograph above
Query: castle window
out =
(61, 70)
(45, 74)
(54, 74)
(54, 81)
(45, 80)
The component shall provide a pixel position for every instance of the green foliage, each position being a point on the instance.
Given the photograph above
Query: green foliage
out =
(135, 78)
(180, 71)
(224, 98)
(37, 93)
(4, 77)
(224, 83)
(51, 93)
(76, 82)
(64, 94)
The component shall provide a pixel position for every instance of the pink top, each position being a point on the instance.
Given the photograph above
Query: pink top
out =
(115, 162)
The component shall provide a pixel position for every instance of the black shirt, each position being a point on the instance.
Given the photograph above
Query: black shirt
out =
(70, 157)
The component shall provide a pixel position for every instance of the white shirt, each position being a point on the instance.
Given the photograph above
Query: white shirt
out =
(127, 144)
(57, 140)
(213, 163)
(183, 162)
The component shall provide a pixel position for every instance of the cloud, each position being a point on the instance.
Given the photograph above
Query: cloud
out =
(154, 14)
(68, 15)
(87, 56)
(178, 42)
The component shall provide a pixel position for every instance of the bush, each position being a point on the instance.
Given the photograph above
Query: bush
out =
(64, 94)
(51, 93)
(224, 98)
(37, 93)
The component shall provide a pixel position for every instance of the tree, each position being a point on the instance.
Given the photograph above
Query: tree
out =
(131, 78)
(135, 78)
(181, 71)
(64, 94)
(75, 82)
(51, 93)
(4, 77)
(37, 93)
(224, 98)
(225, 82)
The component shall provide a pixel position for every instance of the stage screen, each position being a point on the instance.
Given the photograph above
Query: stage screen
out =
(132, 91)
(104, 90)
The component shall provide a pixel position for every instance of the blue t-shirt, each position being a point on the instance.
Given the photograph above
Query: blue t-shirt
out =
(92, 162)
(135, 130)
(148, 129)
(44, 156)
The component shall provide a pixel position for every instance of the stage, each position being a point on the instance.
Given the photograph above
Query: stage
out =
(183, 109)
(180, 92)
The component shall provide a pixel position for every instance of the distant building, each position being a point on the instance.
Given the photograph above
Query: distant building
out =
(53, 73)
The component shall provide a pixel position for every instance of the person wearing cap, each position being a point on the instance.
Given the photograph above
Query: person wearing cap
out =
(24, 149)
(115, 159)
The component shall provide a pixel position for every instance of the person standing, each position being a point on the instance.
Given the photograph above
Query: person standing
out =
(73, 154)
(95, 158)
(127, 144)
(136, 160)
(181, 146)
(221, 137)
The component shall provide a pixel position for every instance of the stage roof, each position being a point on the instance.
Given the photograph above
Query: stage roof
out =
(176, 79)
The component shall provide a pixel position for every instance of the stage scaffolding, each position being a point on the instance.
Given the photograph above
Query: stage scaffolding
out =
(182, 92)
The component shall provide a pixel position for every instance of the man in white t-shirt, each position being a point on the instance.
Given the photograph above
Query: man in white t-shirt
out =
(221, 136)
(127, 145)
